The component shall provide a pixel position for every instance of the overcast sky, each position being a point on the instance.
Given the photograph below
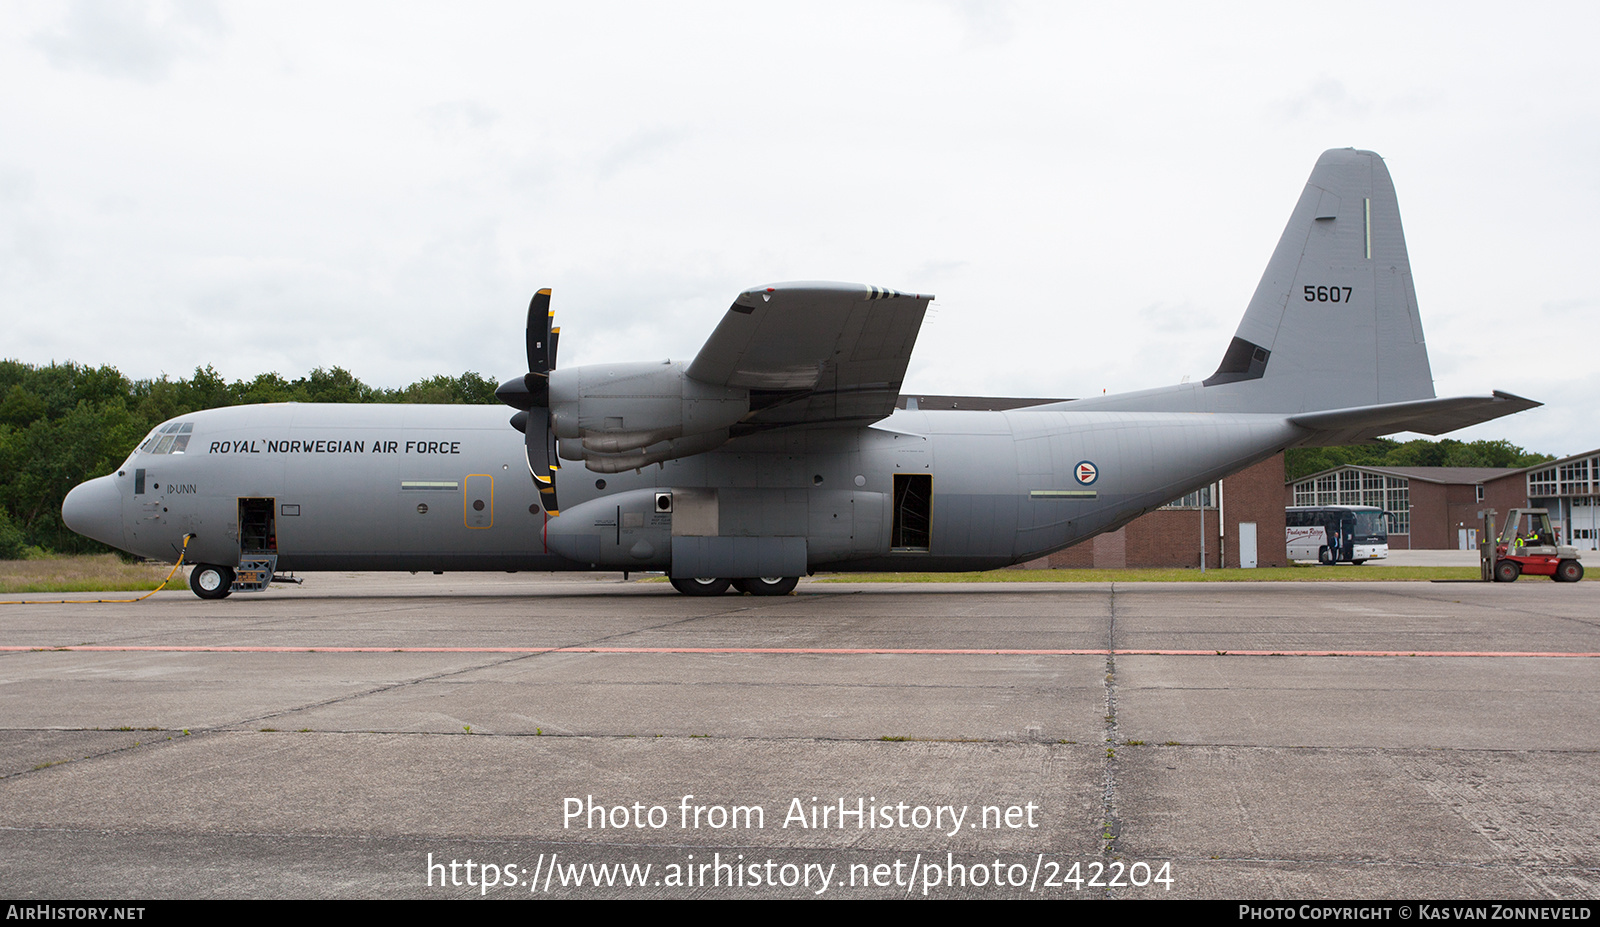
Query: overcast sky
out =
(1091, 190)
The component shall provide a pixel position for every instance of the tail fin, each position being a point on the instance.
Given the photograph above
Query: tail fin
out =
(1334, 321)
(1331, 340)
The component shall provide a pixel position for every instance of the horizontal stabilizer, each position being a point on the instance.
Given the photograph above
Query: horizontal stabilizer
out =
(1424, 416)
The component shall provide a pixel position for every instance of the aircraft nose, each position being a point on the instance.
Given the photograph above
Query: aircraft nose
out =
(94, 510)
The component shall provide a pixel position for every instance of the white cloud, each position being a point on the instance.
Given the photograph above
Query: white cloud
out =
(130, 38)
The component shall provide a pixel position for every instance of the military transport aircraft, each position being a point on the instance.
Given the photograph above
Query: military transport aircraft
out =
(778, 450)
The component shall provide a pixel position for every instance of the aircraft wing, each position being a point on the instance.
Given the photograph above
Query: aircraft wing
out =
(1425, 416)
(814, 352)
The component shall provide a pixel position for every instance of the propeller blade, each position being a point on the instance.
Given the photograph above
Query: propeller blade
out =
(541, 445)
(530, 394)
(548, 492)
(539, 316)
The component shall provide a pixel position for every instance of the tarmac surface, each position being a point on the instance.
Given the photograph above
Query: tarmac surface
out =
(366, 735)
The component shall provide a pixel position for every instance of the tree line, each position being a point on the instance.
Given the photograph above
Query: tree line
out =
(62, 424)
(1386, 452)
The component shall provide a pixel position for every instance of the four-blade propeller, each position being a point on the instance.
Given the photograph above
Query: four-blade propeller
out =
(530, 394)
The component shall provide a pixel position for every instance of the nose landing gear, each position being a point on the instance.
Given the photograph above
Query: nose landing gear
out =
(210, 581)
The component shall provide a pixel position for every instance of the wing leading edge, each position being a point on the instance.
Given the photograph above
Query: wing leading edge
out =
(813, 352)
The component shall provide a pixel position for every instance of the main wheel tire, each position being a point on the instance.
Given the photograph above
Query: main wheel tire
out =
(1569, 571)
(210, 581)
(1507, 571)
(767, 585)
(704, 585)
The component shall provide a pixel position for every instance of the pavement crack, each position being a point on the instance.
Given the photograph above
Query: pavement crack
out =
(1111, 829)
(487, 664)
(375, 690)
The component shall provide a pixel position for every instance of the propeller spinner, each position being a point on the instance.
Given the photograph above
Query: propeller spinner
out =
(530, 394)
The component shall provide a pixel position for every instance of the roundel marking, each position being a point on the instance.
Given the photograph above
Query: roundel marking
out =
(1086, 472)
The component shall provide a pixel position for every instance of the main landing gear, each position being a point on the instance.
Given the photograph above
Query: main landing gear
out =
(767, 585)
(762, 585)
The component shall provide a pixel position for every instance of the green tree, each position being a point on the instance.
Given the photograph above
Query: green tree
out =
(44, 462)
(1422, 452)
(12, 540)
(336, 385)
(470, 388)
(266, 387)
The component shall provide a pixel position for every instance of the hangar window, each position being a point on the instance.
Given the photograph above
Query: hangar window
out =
(1360, 487)
(1542, 483)
(1204, 498)
(1575, 478)
(1350, 487)
(1372, 489)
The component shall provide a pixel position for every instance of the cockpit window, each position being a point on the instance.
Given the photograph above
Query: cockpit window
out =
(171, 438)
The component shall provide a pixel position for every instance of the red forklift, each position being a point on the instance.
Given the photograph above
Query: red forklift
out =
(1529, 545)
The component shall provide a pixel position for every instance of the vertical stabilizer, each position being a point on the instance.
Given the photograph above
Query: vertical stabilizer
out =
(1334, 321)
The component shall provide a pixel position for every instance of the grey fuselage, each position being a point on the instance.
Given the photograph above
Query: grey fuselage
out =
(396, 487)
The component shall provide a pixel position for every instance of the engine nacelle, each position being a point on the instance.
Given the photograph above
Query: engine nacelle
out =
(617, 417)
(601, 462)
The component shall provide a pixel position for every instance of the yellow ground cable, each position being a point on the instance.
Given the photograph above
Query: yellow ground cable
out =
(186, 539)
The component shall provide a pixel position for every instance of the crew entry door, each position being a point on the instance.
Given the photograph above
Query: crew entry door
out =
(258, 545)
(258, 529)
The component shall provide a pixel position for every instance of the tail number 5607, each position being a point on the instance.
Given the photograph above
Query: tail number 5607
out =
(1328, 294)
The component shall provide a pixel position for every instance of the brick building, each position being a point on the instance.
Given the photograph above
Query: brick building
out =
(1434, 508)
(1569, 488)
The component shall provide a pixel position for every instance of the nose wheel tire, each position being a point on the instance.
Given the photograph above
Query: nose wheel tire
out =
(767, 585)
(704, 585)
(210, 581)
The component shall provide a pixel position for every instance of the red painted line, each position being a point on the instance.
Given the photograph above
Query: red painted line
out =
(907, 651)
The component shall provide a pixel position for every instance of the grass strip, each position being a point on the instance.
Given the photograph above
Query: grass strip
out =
(83, 573)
